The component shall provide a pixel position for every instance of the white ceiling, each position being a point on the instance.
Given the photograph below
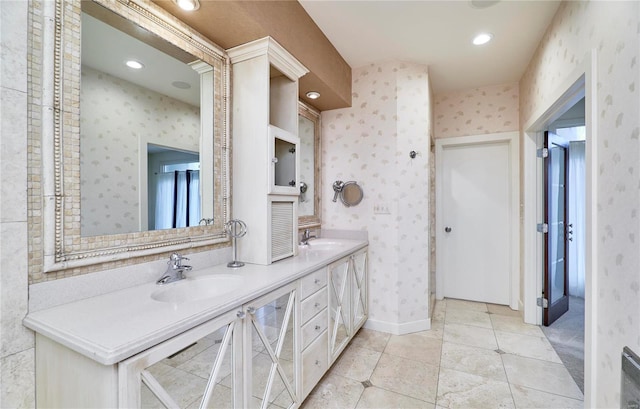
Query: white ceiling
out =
(106, 49)
(438, 34)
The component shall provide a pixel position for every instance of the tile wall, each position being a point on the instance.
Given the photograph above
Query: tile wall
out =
(16, 351)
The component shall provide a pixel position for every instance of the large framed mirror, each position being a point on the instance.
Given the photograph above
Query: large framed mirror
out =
(309, 210)
(139, 144)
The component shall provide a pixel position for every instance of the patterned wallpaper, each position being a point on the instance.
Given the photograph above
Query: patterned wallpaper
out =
(476, 111)
(115, 114)
(305, 133)
(611, 28)
(370, 143)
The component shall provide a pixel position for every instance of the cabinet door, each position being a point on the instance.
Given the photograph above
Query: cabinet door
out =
(339, 307)
(284, 151)
(271, 350)
(359, 288)
(193, 369)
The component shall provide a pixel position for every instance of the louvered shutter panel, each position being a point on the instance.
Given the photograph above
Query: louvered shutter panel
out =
(281, 230)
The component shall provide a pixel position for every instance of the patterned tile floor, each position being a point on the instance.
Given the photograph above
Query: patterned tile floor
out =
(475, 356)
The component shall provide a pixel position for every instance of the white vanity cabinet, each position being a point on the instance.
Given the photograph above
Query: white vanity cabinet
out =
(266, 350)
(246, 358)
(265, 149)
(348, 306)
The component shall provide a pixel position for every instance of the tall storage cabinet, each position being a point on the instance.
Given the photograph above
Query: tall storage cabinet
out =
(265, 149)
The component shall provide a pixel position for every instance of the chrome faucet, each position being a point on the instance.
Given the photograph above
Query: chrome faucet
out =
(175, 270)
(306, 236)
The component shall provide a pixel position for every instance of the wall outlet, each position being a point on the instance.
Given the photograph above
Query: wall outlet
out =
(382, 208)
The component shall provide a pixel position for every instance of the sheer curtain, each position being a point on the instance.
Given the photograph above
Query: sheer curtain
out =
(178, 199)
(576, 216)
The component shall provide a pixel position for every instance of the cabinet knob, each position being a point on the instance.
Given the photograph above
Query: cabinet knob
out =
(241, 314)
(317, 362)
(251, 310)
(316, 281)
(317, 305)
(317, 327)
(274, 160)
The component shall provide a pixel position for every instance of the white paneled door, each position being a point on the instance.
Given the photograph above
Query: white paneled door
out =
(475, 214)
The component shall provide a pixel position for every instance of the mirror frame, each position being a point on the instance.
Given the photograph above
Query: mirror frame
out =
(314, 220)
(64, 247)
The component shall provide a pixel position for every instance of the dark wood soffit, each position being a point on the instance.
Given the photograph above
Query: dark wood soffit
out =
(229, 23)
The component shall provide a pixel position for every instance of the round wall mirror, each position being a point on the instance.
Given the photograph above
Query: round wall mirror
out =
(351, 194)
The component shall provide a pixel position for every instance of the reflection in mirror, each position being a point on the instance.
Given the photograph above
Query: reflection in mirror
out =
(120, 108)
(173, 188)
(95, 160)
(309, 199)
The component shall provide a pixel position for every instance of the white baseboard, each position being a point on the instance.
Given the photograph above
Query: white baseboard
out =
(398, 329)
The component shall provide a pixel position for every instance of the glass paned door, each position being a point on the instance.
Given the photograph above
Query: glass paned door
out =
(272, 382)
(339, 307)
(555, 285)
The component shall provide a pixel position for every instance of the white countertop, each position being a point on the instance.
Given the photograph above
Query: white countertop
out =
(112, 327)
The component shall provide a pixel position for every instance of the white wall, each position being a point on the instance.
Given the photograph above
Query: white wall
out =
(611, 29)
(370, 143)
(482, 110)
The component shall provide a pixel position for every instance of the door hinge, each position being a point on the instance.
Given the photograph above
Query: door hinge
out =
(542, 228)
(542, 302)
(542, 153)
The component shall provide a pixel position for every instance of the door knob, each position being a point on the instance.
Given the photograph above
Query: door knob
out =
(447, 229)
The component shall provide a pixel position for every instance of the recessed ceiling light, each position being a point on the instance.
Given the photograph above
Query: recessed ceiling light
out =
(482, 38)
(313, 95)
(136, 65)
(181, 84)
(188, 5)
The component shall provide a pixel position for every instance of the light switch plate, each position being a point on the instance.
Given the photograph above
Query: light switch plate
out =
(382, 208)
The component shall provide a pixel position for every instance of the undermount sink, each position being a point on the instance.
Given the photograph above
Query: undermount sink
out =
(194, 289)
(323, 244)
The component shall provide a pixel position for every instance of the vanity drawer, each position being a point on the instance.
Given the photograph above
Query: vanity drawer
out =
(313, 328)
(312, 283)
(313, 305)
(315, 363)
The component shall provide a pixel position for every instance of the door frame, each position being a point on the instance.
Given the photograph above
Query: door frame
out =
(512, 141)
(582, 82)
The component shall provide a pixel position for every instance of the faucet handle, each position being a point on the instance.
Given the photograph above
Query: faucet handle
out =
(176, 259)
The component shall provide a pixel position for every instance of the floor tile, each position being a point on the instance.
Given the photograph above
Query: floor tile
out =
(473, 360)
(415, 347)
(531, 398)
(462, 390)
(334, 392)
(452, 303)
(407, 377)
(376, 398)
(541, 375)
(370, 339)
(514, 324)
(436, 331)
(503, 310)
(468, 317)
(356, 363)
(469, 335)
(524, 345)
